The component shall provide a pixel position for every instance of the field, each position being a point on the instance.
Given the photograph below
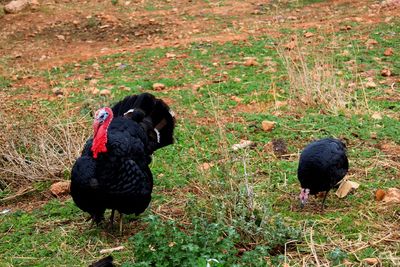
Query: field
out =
(311, 68)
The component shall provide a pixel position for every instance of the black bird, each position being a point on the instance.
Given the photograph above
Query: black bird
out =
(104, 262)
(113, 171)
(323, 164)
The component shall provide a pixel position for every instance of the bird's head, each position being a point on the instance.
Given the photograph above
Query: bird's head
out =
(102, 120)
(304, 196)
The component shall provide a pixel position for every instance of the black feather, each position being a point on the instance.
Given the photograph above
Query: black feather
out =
(104, 262)
(322, 165)
(120, 179)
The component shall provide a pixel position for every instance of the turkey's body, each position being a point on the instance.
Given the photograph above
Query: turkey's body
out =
(322, 165)
(119, 179)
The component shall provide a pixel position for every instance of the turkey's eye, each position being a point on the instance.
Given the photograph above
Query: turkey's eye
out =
(102, 116)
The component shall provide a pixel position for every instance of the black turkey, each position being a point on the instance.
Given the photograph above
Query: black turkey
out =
(113, 171)
(323, 164)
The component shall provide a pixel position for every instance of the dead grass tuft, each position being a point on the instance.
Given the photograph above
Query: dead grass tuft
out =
(43, 152)
(317, 83)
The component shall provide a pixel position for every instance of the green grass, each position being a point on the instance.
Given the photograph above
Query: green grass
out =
(196, 214)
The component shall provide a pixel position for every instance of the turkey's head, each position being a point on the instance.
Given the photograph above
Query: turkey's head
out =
(102, 120)
(304, 196)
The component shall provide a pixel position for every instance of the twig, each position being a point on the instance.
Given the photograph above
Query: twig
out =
(18, 194)
(109, 250)
(312, 247)
(371, 244)
(249, 188)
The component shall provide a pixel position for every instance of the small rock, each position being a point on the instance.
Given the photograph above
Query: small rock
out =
(268, 126)
(170, 55)
(238, 80)
(308, 34)
(376, 116)
(388, 52)
(158, 86)
(242, 144)
(386, 73)
(60, 188)
(105, 92)
(251, 61)
(60, 37)
(16, 6)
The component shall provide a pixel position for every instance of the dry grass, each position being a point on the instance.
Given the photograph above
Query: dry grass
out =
(42, 152)
(318, 83)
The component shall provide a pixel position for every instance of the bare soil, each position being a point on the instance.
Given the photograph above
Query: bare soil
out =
(60, 32)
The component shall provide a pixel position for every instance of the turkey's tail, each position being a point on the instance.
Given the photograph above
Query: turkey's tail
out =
(153, 114)
(104, 262)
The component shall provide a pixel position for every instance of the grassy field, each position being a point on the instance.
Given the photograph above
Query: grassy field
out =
(238, 207)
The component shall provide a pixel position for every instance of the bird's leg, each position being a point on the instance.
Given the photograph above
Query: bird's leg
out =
(323, 201)
(112, 217)
(120, 223)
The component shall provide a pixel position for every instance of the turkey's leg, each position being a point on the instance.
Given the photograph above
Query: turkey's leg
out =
(323, 201)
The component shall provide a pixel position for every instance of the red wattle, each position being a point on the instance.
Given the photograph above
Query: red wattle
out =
(100, 141)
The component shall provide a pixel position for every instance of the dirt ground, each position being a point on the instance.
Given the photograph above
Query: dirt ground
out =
(62, 31)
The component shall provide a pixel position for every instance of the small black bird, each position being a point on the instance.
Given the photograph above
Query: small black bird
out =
(113, 171)
(323, 164)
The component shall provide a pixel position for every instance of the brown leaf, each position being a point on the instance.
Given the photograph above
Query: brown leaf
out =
(371, 42)
(236, 99)
(388, 52)
(370, 84)
(379, 194)
(290, 46)
(371, 261)
(95, 91)
(376, 116)
(105, 92)
(205, 166)
(346, 187)
(268, 126)
(392, 196)
(158, 86)
(60, 188)
(386, 73)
